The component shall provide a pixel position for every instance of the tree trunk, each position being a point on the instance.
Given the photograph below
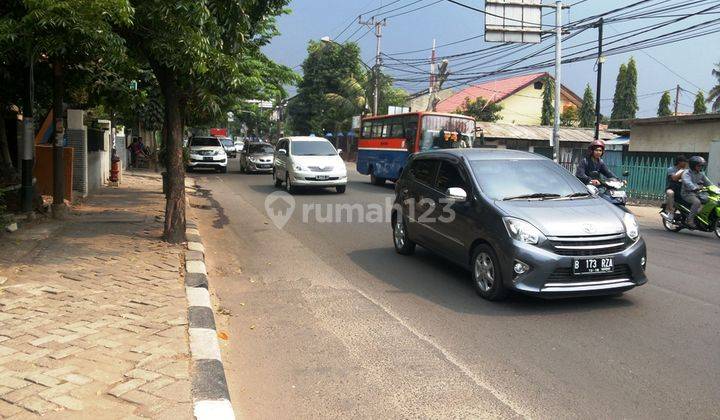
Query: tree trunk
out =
(7, 170)
(58, 161)
(174, 231)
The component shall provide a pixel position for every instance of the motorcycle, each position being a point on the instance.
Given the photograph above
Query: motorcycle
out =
(707, 219)
(612, 189)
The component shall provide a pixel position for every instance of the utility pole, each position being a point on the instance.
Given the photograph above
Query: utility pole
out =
(28, 144)
(378, 25)
(558, 78)
(599, 78)
(677, 99)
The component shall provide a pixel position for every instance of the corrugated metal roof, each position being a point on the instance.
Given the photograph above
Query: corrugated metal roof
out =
(539, 133)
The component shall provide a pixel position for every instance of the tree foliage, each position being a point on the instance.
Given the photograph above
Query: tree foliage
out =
(547, 115)
(587, 109)
(480, 109)
(625, 103)
(664, 105)
(699, 106)
(332, 89)
(569, 117)
(714, 94)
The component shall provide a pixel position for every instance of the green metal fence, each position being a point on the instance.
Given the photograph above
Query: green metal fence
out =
(647, 176)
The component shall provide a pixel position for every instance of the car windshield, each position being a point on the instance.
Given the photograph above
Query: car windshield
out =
(260, 149)
(445, 132)
(312, 148)
(526, 179)
(227, 143)
(204, 141)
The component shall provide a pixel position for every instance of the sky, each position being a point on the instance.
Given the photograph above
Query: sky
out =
(687, 63)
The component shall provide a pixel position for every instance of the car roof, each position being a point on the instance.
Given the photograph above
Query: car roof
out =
(481, 154)
(306, 138)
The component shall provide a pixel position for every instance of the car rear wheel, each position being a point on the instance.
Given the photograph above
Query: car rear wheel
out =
(288, 185)
(486, 274)
(403, 245)
(223, 169)
(278, 181)
(341, 189)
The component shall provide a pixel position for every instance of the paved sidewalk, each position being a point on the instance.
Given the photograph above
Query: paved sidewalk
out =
(93, 316)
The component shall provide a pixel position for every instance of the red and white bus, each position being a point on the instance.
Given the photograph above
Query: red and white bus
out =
(387, 141)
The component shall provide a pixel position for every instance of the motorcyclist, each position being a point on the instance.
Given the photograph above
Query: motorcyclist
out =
(593, 163)
(673, 184)
(693, 180)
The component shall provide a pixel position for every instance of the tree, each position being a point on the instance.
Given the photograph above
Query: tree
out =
(587, 109)
(625, 104)
(699, 105)
(204, 54)
(569, 116)
(71, 36)
(714, 94)
(332, 88)
(664, 106)
(548, 112)
(388, 96)
(480, 109)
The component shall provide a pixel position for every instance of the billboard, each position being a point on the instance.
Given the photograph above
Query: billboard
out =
(513, 21)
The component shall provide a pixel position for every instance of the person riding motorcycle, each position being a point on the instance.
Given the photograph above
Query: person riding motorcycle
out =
(693, 180)
(593, 163)
(673, 185)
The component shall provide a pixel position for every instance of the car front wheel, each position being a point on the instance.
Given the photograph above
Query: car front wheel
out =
(486, 274)
(341, 189)
(403, 244)
(288, 185)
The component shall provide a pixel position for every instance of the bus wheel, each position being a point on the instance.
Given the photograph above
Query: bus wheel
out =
(376, 180)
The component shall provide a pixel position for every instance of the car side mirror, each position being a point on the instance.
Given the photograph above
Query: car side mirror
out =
(456, 194)
(282, 152)
(339, 151)
(593, 190)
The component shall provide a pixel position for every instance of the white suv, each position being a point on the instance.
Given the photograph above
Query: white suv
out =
(308, 162)
(207, 152)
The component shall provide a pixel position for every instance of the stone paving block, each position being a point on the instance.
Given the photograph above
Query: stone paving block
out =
(141, 398)
(68, 351)
(14, 383)
(142, 374)
(8, 410)
(178, 391)
(37, 405)
(57, 390)
(124, 387)
(22, 393)
(68, 402)
(42, 379)
(77, 379)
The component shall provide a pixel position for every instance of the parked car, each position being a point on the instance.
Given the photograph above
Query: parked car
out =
(229, 146)
(257, 157)
(207, 153)
(239, 144)
(517, 221)
(308, 162)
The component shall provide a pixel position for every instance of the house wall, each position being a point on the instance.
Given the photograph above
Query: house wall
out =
(675, 137)
(525, 106)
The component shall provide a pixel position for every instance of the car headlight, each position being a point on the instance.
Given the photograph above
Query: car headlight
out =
(299, 168)
(522, 231)
(631, 226)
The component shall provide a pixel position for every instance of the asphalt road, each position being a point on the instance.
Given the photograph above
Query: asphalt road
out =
(325, 319)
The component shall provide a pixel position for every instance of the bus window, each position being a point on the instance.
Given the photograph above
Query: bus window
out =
(396, 129)
(386, 130)
(377, 129)
(366, 130)
(410, 131)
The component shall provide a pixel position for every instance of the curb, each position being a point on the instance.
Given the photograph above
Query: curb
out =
(211, 398)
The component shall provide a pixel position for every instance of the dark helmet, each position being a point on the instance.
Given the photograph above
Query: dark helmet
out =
(595, 144)
(697, 161)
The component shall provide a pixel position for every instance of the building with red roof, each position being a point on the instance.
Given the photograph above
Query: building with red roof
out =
(520, 97)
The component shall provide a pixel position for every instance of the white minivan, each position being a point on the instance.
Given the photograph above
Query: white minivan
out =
(308, 162)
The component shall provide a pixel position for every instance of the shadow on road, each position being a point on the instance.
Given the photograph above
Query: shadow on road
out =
(436, 280)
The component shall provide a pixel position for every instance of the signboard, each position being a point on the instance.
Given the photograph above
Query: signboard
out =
(513, 21)
(219, 132)
(356, 122)
(394, 110)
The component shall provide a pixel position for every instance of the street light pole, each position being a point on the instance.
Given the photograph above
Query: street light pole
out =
(378, 25)
(558, 79)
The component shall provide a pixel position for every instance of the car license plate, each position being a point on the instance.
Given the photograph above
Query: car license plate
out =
(208, 158)
(593, 266)
(322, 177)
